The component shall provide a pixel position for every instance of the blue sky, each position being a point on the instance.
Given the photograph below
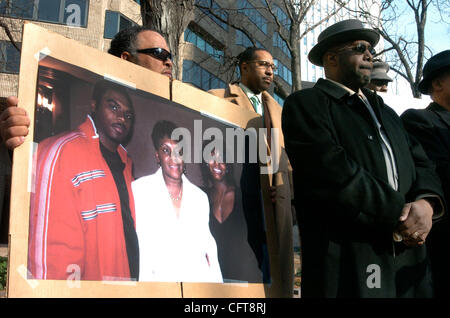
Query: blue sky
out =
(437, 34)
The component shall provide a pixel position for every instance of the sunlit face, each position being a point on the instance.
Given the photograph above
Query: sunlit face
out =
(172, 164)
(355, 68)
(257, 76)
(113, 119)
(150, 39)
(217, 168)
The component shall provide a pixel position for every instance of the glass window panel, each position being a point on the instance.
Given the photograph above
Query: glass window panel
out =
(189, 36)
(196, 76)
(214, 82)
(201, 43)
(111, 24)
(3, 6)
(9, 57)
(13, 62)
(205, 79)
(187, 74)
(48, 10)
(22, 8)
(124, 23)
(209, 49)
(3, 56)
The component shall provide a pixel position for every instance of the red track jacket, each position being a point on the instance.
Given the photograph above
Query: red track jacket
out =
(76, 226)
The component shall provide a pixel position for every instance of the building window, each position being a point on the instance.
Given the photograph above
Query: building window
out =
(199, 41)
(282, 17)
(70, 12)
(217, 11)
(115, 22)
(280, 43)
(243, 40)
(283, 71)
(9, 58)
(199, 77)
(279, 99)
(249, 10)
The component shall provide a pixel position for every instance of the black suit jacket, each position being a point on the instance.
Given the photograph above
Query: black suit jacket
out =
(431, 126)
(346, 209)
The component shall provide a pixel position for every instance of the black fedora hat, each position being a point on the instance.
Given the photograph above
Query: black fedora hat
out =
(379, 71)
(432, 67)
(341, 32)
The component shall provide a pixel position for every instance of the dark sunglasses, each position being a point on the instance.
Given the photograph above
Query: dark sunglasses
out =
(157, 52)
(360, 48)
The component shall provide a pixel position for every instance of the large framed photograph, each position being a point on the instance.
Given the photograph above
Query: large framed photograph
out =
(132, 185)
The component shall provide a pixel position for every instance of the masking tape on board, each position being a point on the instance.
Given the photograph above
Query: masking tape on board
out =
(42, 54)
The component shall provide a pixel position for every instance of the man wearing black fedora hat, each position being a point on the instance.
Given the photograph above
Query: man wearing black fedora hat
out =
(365, 192)
(379, 79)
(431, 126)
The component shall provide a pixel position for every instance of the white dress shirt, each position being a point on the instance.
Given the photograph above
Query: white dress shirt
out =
(174, 249)
(258, 108)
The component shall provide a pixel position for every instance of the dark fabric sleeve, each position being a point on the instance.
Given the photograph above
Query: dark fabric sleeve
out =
(324, 171)
(5, 184)
(421, 128)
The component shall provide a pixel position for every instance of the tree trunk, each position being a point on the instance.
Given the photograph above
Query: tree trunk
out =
(296, 69)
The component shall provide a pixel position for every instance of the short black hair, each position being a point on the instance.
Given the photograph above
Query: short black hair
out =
(102, 86)
(162, 128)
(248, 54)
(125, 40)
(100, 89)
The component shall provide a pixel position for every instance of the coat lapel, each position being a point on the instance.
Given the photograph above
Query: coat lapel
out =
(239, 97)
(441, 112)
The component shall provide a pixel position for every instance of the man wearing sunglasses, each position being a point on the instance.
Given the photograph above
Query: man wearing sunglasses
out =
(379, 79)
(139, 45)
(365, 192)
(257, 70)
(144, 47)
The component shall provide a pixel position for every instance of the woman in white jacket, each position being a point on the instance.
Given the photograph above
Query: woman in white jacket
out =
(172, 220)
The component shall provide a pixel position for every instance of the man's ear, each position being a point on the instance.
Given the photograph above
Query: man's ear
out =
(158, 162)
(436, 84)
(126, 56)
(330, 58)
(244, 68)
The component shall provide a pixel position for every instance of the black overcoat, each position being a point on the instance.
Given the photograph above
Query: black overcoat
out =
(431, 126)
(346, 209)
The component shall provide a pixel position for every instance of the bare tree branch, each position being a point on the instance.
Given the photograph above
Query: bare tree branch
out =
(7, 30)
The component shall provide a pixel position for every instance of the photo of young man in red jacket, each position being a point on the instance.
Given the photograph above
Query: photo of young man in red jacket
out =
(82, 221)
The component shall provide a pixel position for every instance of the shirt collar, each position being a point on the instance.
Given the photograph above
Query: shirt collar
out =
(249, 93)
(352, 92)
